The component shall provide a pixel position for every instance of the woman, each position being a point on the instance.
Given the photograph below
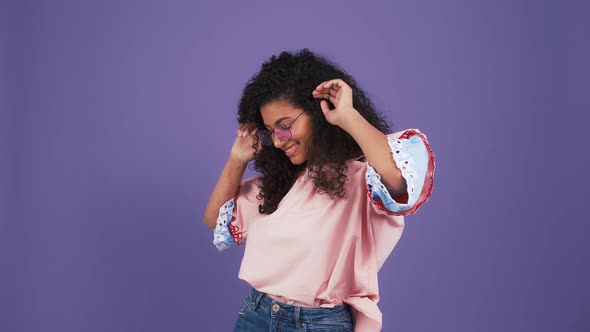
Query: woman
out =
(329, 204)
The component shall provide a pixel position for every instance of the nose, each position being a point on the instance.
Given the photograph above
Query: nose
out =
(277, 142)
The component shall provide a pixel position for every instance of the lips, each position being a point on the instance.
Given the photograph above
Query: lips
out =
(291, 150)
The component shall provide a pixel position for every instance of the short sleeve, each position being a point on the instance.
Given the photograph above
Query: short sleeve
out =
(413, 155)
(236, 215)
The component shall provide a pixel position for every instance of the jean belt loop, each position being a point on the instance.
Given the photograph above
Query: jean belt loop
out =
(257, 300)
(296, 316)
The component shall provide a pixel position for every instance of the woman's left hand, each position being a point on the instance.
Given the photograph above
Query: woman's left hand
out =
(340, 95)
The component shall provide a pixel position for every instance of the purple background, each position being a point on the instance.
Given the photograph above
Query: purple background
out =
(117, 117)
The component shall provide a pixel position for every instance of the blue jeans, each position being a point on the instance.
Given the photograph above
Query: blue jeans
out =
(261, 313)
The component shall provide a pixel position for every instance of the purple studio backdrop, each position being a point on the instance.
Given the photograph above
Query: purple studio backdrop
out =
(117, 117)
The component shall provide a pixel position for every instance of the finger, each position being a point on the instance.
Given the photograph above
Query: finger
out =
(338, 81)
(317, 95)
(325, 93)
(332, 93)
(331, 85)
(241, 128)
(325, 107)
(321, 85)
(329, 93)
(338, 84)
(324, 85)
(246, 128)
(330, 98)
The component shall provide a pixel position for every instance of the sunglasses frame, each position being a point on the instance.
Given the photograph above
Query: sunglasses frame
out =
(266, 136)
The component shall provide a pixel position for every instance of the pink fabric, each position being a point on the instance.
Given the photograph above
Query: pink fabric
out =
(317, 252)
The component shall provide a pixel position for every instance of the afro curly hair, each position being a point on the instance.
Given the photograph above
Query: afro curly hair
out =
(292, 77)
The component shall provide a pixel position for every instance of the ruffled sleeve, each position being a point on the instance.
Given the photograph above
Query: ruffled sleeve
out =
(414, 157)
(236, 215)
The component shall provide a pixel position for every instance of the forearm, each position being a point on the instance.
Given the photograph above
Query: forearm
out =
(377, 152)
(225, 189)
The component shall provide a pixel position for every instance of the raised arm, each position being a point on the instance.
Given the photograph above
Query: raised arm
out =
(372, 142)
(229, 181)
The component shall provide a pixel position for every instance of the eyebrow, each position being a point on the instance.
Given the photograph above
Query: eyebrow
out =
(278, 121)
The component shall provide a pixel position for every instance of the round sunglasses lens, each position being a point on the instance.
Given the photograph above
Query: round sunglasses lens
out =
(283, 133)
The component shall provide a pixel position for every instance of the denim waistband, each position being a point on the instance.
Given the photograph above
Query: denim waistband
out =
(339, 313)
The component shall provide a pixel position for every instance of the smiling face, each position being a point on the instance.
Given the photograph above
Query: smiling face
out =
(281, 112)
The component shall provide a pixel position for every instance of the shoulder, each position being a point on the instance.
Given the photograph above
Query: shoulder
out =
(356, 169)
(251, 181)
(250, 187)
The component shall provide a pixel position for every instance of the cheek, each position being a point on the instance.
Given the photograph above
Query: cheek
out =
(306, 132)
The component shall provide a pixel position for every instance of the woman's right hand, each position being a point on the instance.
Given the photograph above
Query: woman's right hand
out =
(242, 150)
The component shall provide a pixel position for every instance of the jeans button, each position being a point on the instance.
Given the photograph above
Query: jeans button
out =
(276, 307)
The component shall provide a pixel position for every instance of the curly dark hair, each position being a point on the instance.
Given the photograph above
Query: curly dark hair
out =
(292, 77)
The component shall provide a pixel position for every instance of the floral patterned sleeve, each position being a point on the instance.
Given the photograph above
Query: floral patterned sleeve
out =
(236, 215)
(414, 157)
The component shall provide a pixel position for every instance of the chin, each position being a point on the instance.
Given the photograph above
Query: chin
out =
(297, 160)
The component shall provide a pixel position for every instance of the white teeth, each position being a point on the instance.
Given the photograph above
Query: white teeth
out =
(291, 149)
